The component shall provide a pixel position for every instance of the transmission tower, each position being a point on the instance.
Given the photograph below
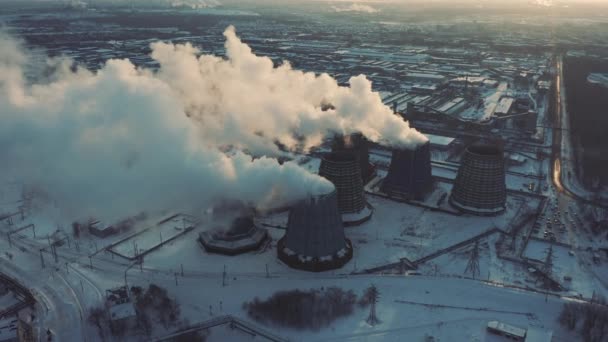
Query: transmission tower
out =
(473, 264)
(373, 295)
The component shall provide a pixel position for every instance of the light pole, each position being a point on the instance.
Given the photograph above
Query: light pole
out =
(127, 270)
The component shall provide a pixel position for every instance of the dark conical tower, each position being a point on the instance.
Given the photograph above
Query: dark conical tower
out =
(314, 240)
(409, 175)
(480, 186)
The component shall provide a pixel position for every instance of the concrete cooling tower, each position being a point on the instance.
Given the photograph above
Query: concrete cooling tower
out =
(241, 236)
(480, 187)
(342, 169)
(409, 175)
(315, 239)
(359, 147)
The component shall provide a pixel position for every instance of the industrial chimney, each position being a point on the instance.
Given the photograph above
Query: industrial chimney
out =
(342, 169)
(314, 240)
(480, 187)
(409, 175)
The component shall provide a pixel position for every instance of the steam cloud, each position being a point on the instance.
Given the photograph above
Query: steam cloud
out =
(195, 4)
(245, 101)
(117, 142)
(121, 140)
(355, 8)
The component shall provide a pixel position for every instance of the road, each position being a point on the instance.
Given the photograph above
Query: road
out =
(561, 152)
(557, 129)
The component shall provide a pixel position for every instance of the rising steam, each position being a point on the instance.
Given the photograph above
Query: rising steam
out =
(245, 101)
(123, 139)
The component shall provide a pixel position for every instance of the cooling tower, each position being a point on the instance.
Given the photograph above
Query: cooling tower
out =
(409, 175)
(342, 169)
(480, 187)
(314, 240)
(241, 236)
(357, 145)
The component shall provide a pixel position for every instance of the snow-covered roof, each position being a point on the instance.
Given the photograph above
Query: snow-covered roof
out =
(439, 140)
(121, 311)
(425, 76)
(508, 329)
(504, 105)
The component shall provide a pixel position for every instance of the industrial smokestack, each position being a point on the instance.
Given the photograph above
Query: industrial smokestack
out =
(315, 239)
(480, 187)
(409, 175)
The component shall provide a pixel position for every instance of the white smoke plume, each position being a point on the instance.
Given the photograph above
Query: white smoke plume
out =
(123, 139)
(246, 102)
(113, 143)
(355, 8)
(194, 4)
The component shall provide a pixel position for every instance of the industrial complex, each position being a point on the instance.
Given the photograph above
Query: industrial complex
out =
(468, 224)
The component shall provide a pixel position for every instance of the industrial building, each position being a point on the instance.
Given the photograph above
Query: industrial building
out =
(342, 169)
(120, 307)
(439, 142)
(480, 187)
(409, 175)
(101, 229)
(314, 240)
(242, 236)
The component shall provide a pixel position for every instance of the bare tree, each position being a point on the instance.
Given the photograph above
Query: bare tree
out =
(98, 318)
(569, 315)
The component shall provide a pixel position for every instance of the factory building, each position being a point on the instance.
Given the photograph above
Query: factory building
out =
(314, 240)
(441, 143)
(241, 236)
(480, 187)
(425, 78)
(342, 169)
(409, 175)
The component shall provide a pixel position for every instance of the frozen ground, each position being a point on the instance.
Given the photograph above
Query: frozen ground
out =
(449, 309)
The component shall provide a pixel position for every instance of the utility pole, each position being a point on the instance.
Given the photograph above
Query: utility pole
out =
(10, 243)
(175, 274)
(66, 268)
(90, 261)
(54, 249)
(41, 258)
(224, 277)
(182, 269)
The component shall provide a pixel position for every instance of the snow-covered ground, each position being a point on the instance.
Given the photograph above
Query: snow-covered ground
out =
(153, 236)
